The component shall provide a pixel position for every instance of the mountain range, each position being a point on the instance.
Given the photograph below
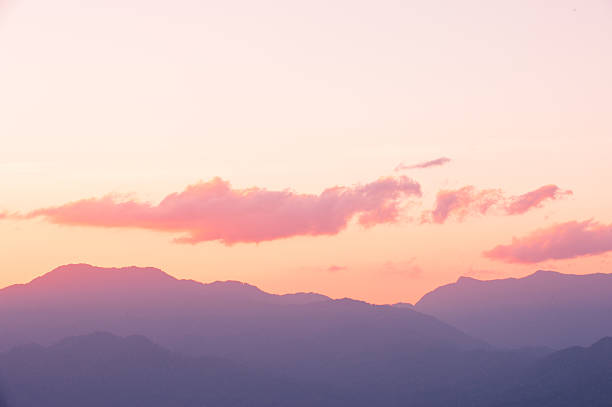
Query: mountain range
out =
(224, 319)
(84, 335)
(545, 308)
(101, 369)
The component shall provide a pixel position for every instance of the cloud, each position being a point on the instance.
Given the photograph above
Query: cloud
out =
(534, 199)
(433, 163)
(213, 210)
(467, 201)
(461, 203)
(561, 241)
(334, 268)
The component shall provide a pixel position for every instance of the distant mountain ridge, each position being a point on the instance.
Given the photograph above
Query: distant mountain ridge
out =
(576, 376)
(223, 319)
(72, 279)
(101, 369)
(545, 308)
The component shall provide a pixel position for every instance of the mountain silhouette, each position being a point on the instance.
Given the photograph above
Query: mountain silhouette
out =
(83, 282)
(299, 332)
(543, 309)
(101, 369)
(162, 342)
(575, 376)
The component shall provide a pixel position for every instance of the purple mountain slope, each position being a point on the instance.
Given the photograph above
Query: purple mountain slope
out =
(100, 369)
(543, 309)
(228, 319)
(83, 282)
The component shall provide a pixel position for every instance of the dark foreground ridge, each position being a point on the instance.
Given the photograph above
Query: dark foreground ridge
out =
(101, 369)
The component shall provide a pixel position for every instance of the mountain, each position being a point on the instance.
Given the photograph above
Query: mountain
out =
(576, 376)
(546, 308)
(130, 285)
(229, 344)
(403, 305)
(101, 369)
(299, 333)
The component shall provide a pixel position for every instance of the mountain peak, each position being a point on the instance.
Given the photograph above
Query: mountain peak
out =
(465, 279)
(544, 273)
(136, 284)
(85, 268)
(604, 343)
(403, 305)
(541, 309)
(74, 276)
(235, 289)
(232, 284)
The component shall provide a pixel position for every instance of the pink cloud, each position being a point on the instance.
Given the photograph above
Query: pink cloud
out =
(461, 203)
(334, 268)
(433, 163)
(534, 199)
(214, 211)
(562, 241)
(467, 201)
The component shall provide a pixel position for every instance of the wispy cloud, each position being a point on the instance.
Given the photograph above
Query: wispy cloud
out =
(213, 210)
(433, 163)
(466, 201)
(534, 199)
(334, 268)
(461, 203)
(561, 241)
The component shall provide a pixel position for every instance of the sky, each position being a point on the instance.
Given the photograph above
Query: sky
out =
(372, 150)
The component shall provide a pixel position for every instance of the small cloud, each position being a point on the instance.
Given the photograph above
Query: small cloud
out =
(461, 203)
(467, 201)
(433, 163)
(561, 241)
(333, 268)
(534, 199)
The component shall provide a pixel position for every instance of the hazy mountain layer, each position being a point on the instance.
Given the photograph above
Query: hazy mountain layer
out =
(223, 319)
(101, 370)
(544, 309)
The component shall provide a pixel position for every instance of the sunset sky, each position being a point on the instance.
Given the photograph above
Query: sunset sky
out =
(372, 150)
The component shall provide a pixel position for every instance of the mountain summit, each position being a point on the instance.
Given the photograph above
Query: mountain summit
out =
(125, 285)
(545, 308)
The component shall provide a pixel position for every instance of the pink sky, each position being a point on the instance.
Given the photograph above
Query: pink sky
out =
(118, 119)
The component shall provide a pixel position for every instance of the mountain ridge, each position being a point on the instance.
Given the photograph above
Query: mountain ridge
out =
(75, 276)
(226, 319)
(101, 368)
(545, 308)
